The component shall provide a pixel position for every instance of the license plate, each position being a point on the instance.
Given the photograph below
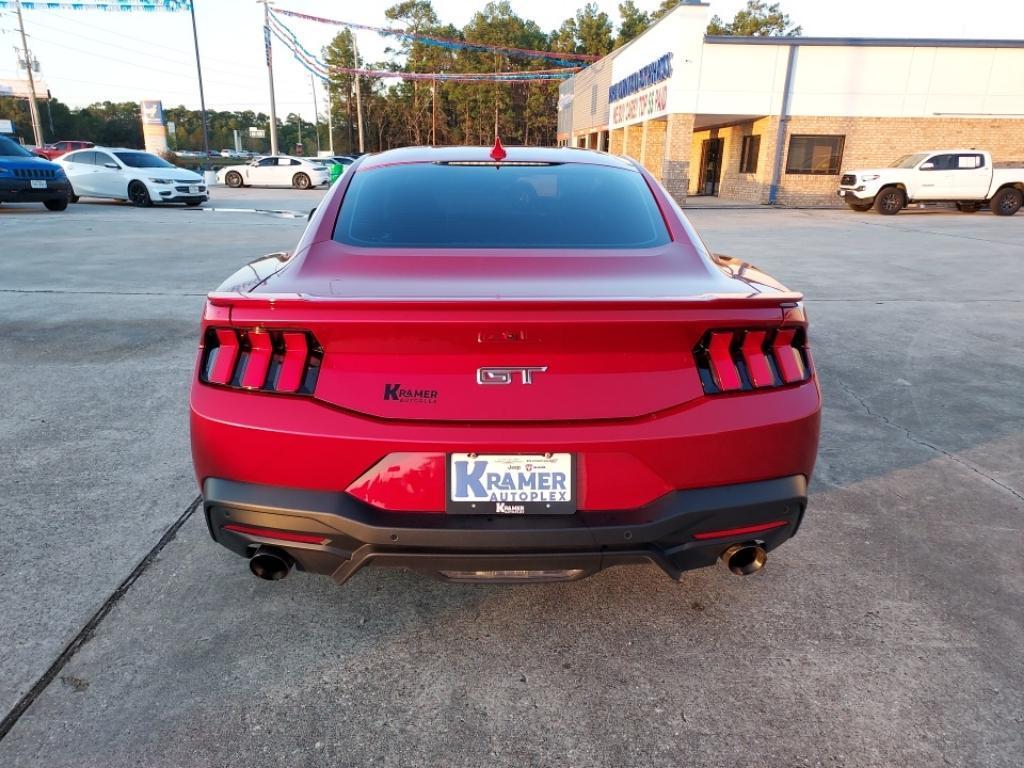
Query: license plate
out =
(511, 484)
(193, 190)
(38, 184)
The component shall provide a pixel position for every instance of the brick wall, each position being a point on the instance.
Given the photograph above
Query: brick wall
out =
(877, 141)
(870, 142)
(675, 168)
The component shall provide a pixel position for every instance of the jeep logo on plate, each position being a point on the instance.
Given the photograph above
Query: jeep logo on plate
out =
(507, 375)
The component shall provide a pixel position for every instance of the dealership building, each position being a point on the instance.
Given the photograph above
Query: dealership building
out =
(777, 119)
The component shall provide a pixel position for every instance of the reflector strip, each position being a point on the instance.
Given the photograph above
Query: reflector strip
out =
(727, 376)
(787, 357)
(261, 350)
(271, 533)
(293, 366)
(225, 357)
(726, 532)
(757, 362)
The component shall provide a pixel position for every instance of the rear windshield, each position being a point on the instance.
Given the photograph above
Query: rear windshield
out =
(433, 205)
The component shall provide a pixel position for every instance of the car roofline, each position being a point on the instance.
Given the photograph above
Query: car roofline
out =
(514, 154)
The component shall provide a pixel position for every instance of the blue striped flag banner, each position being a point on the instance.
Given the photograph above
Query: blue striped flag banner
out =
(98, 5)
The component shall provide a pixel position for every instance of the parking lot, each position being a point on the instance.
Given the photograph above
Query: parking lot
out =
(889, 632)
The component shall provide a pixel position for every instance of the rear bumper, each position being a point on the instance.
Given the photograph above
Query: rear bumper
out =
(355, 534)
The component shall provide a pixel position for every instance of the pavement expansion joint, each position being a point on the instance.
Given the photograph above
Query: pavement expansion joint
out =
(87, 631)
(925, 444)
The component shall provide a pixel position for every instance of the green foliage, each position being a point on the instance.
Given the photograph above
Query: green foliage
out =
(632, 22)
(757, 19)
(413, 112)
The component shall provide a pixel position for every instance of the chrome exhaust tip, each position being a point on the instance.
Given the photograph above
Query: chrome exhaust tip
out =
(270, 564)
(745, 559)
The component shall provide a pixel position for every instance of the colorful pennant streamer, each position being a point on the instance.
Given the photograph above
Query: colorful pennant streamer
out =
(98, 5)
(565, 59)
(321, 69)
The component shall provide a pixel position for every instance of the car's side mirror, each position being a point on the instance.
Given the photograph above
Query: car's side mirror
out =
(927, 166)
(115, 166)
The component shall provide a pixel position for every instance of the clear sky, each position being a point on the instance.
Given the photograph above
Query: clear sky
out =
(93, 56)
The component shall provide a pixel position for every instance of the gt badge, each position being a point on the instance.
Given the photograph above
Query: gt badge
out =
(506, 375)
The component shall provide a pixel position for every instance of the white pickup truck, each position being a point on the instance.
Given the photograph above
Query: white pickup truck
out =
(962, 176)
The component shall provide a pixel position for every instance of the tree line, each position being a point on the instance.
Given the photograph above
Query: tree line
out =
(399, 113)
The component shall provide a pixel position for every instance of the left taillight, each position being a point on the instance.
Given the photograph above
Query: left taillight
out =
(739, 360)
(259, 359)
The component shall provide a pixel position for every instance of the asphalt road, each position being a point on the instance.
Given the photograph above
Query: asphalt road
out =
(889, 632)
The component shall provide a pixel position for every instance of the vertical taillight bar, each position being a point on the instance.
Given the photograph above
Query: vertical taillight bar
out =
(293, 363)
(257, 363)
(758, 369)
(727, 376)
(787, 356)
(222, 357)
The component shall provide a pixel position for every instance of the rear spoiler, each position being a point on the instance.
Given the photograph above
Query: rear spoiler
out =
(754, 299)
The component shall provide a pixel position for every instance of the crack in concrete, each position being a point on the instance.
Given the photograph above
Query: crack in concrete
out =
(919, 231)
(86, 633)
(925, 444)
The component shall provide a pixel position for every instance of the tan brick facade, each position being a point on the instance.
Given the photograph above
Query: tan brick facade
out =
(870, 142)
(675, 173)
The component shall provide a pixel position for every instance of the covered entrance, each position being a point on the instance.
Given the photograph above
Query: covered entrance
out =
(710, 167)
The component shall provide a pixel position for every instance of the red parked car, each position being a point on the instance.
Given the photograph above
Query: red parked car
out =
(502, 366)
(55, 150)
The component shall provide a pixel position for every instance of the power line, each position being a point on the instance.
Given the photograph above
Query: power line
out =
(118, 47)
(130, 63)
(129, 37)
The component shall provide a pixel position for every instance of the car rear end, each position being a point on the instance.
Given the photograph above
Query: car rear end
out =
(557, 380)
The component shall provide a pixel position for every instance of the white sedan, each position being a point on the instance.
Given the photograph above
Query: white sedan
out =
(276, 171)
(141, 178)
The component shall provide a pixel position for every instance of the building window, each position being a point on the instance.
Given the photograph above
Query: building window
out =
(748, 155)
(593, 99)
(815, 155)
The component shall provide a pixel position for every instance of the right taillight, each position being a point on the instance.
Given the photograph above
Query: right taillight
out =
(738, 360)
(262, 360)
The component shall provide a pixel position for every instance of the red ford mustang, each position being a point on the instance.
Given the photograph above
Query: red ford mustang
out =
(503, 366)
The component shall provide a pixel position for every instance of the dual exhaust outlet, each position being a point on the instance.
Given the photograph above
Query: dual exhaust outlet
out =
(745, 559)
(273, 564)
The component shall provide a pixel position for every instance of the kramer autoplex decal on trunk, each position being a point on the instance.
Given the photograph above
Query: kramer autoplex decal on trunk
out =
(398, 393)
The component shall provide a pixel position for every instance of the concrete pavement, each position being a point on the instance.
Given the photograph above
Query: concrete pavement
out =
(888, 632)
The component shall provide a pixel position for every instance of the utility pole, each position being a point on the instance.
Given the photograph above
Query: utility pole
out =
(330, 120)
(495, 99)
(270, 75)
(359, 97)
(37, 126)
(199, 71)
(433, 113)
(316, 113)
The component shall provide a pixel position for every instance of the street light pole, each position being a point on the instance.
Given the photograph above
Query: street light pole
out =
(270, 75)
(359, 96)
(199, 71)
(37, 126)
(316, 113)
